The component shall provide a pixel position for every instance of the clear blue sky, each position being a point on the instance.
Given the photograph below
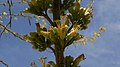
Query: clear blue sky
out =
(103, 53)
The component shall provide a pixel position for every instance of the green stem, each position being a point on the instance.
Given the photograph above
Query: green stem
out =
(59, 51)
(56, 10)
(59, 56)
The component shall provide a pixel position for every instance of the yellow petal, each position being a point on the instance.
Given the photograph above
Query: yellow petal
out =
(102, 29)
(92, 40)
(4, 13)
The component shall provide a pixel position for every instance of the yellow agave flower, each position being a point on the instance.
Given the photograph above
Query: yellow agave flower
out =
(45, 34)
(72, 33)
(63, 31)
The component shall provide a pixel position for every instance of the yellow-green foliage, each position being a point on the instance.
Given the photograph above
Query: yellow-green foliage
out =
(62, 32)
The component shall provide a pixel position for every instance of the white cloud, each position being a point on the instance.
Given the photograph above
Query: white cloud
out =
(116, 63)
(110, 7)
(107, 12)
(115, 27)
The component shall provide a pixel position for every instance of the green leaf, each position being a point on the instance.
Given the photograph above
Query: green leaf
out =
(35, 47)
(78, 60)
(71, 10)
(52, 63)
(38, 27)
(34, 34)
(47, 65)
(77, 4)
(68, 61)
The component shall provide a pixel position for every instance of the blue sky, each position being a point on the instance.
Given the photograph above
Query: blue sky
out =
(104, 52)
